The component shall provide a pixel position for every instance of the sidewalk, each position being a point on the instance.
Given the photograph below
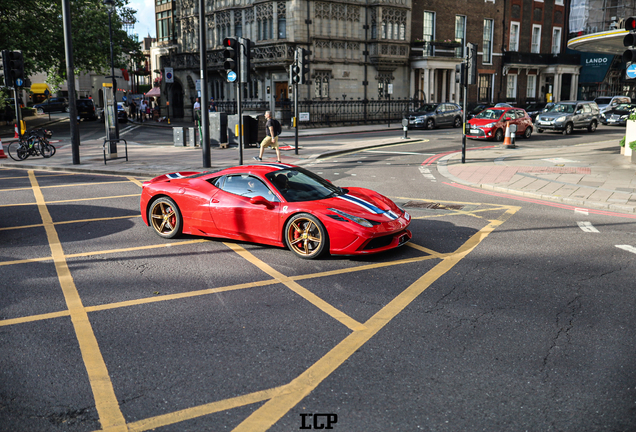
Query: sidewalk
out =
(587, 175)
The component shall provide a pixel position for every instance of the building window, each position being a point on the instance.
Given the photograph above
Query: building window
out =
(558, 2)
(556, 40)
(460, 33)
(282, 28)
(321, 84)
(536, 39)
(428, 31)
(165, 26)
(485, 88)
(531, 90)
(511, 88)
(238, 30)
(487, 49)
(514, 36)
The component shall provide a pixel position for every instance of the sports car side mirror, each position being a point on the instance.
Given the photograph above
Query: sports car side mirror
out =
(259, 200)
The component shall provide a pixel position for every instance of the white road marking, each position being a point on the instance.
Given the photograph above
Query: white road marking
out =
(427, 173)
(581, 210)
(628, 248)
(587, 227)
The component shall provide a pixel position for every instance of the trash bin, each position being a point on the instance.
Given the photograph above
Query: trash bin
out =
(218, 128)
(250, 130)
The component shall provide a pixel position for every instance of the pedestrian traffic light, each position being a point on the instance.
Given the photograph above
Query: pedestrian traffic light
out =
(629, 41)
(459, 73)
(303, 65)
(246, 55)
(16, 68)
(231, 55)
(294, 72)
(4, 67)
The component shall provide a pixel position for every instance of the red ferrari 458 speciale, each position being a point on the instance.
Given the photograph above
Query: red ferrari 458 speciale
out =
(275, 204)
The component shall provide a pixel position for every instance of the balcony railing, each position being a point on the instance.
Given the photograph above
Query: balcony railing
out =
(541, 59)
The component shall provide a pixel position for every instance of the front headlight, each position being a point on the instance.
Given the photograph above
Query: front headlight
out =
(602, 115)
(356, 219)
(624, 117)
(561, 119)
(490, 125)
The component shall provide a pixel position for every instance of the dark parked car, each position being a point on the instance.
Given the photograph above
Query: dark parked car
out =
(533, 109)
(430, 116)
(122, 117)
(569, 115)
(86, 109)
(52, 105)
(618, 115)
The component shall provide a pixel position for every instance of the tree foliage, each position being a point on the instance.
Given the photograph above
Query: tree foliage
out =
(36, 28)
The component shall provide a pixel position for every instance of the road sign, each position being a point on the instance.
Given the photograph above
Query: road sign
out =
(231, 76)
(631, 71)
(19, 82)
(169, 75)
(303, 116)
(390, 90)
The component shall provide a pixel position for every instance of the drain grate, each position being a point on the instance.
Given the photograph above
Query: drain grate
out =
(432, 205)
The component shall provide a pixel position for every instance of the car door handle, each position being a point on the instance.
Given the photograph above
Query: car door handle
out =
(214, 201)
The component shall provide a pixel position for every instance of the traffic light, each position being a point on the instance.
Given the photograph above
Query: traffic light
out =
(629, 41)
(246, 55)
(16, 68)
(4, 67)
(459, 73)
(294, 72)
(472, 63)
(303, 65)
(231, 55)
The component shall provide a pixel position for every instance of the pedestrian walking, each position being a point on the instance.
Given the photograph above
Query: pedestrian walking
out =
(196, 111)
(133, 110)
(142, 110)
(273, 130)
(212, 105)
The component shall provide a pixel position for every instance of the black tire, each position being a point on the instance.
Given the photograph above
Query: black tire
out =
(458, 122)
(306, 236)
(39, 111)
(527, 133)
(165, 218)
(46, 149)
(430, 124)
(17, 151)
(499, 135)
(540, 130)
(568, 129)
(592, 126)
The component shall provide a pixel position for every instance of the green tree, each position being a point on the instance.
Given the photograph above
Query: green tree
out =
(36, 28)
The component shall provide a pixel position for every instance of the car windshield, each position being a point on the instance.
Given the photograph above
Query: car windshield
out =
(603, 100)
(298, 184)
(492, 114)
(84, 103)
(426, 108)
(533, 107)
(562, 108)
(625, 107)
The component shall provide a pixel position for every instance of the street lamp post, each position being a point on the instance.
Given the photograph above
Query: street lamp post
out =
(110, 5)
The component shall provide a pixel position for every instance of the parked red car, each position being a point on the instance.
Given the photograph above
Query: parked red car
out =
(491, 123)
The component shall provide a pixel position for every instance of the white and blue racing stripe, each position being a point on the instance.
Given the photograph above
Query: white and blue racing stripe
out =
(277, 165)
(175, 175)
(368, 206)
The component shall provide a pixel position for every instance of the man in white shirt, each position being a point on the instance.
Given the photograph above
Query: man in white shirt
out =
(142, 110)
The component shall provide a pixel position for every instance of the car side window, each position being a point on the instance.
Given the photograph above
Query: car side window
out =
(510, 115)
(587, 109)
(520, 114)
(247, 186)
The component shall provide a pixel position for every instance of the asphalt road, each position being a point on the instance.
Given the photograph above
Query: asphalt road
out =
(501, 314)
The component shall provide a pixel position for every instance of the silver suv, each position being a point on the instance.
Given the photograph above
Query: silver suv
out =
(569, 115)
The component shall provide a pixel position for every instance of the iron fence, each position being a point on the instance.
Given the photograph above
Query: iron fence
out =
(334, 113)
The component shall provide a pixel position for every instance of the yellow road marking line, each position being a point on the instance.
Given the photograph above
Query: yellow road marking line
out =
(428, 251)
(42, 175)
(294, 286)
(270, 412)
(110, 415)
(135, 181)
(67, 185)
(202, 410)
(71, 222)
(73, 200)
(207, 291)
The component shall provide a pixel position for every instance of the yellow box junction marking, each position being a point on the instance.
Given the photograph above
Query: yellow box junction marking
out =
(279, 400)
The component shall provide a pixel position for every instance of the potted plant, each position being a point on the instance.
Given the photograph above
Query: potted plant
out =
(622, 144)
(630, 134)
(446, 43)
(632, 147)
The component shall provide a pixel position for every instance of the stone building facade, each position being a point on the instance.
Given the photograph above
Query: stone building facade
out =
(357, 47)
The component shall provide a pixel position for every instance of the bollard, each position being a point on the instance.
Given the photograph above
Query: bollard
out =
(405, 127)
(178, 134)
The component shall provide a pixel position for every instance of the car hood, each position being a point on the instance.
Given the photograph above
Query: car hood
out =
(481, 122)
(363, 203)
(553, 115)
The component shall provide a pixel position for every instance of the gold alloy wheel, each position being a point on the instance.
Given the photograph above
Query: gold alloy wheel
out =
(304, 237)
(163, 218)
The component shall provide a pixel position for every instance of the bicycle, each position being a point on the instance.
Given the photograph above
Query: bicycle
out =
(33, 143)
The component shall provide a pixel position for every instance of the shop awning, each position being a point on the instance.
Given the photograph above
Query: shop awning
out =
(40, 88)
(154, 92)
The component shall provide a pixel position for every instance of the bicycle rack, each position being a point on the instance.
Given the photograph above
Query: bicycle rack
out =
(115, 140)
